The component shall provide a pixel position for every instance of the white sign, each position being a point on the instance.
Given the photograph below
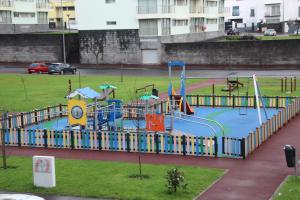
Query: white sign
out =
(44, 171)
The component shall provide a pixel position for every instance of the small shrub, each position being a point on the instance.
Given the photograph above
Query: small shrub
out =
(175, 179)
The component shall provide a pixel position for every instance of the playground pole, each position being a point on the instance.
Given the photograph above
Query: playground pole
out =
(184, 96)
(257, 99)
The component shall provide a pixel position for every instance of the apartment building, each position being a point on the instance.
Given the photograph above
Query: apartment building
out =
(152, 17)
(18, 16)
(62, 9)
(251, 13)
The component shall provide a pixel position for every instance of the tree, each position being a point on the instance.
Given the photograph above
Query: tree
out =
(175, 179)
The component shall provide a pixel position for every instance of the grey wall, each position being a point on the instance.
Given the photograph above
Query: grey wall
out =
(283, 52)
(23, 28)
(37, 48)
(110, 47)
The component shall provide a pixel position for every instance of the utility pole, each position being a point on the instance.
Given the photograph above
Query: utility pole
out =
(63, 31)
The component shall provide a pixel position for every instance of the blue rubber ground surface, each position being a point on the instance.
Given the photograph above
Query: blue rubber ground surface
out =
(234, 124)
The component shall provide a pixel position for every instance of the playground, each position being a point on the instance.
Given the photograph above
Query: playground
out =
(230, 121)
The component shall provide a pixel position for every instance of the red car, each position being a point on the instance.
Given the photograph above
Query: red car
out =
(38, 68)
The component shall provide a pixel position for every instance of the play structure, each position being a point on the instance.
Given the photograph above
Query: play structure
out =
(175, 99)
(102, 113)
(232, 83)
(182, 124)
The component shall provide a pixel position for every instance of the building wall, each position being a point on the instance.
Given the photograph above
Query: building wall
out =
(136, 14)
(289, 10)
(66, 8)
(95, 14)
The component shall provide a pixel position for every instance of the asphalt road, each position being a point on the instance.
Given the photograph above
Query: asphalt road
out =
(127, 71)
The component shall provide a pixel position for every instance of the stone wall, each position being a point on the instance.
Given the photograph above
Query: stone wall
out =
(110, 47)
(37, 48)
(242, 53)
(23, 28)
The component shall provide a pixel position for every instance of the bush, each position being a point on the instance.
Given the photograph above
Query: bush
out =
(240, 38)
(175, 179)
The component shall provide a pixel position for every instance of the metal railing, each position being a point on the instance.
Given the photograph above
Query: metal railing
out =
(155, 9)
(6, 3)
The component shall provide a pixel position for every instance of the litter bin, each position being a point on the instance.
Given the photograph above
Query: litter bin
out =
(155, 92)
(290, 155)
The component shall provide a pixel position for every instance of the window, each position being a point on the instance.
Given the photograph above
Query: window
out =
(212, 21)
(42, 17)
(299, 12)
(180, 22)
(24, 14)
(235, 11)
(148, 27)
(181, 2)
(111, 23)
(5, 17)
(252, 13)
(110, 1)
(212, 4)
(272, 10)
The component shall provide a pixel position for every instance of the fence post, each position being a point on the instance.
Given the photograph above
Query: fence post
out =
(128, 142)
(99, 140)
(233, 101)
(156, 143)
(277, 102)
(243, 150)
(254, 102)
(72, 139)
(223, 145)
(184, 145)
(35, 117)
(216, 146)
(45, 139)
(213, 95)
(19, 137)
(22, 120)
(60, 110)
(197, 100)
(9, 121)
(48, 111)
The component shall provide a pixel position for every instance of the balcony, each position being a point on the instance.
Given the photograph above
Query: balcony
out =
(155, 9)
(272, 14)
(42, 6)
(6, 4)
(197, 28)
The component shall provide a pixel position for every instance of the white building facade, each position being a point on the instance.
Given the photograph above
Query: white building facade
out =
(152, 17)
(23, 15)
(249, 13)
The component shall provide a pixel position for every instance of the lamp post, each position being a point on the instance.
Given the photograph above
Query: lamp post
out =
(68, 15)
(63, 31)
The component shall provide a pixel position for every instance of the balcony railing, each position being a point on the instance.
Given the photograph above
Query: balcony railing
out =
(197, 10)
(155, 9)
(197, 28)
(276, 14)
(6, 3)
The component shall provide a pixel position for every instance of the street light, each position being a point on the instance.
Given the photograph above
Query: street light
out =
(63, 31)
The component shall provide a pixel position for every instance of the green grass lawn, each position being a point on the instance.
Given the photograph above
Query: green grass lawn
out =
(44, 90)
(268, 87)
(107, 179)
(290, 190)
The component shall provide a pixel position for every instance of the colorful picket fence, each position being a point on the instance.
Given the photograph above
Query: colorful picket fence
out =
(34, 117)
(237, 101)
(113, 141)
(243, 147)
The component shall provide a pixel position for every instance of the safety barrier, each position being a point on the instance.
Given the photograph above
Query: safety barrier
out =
(271, 126)
(237, 101)
(21, 120)
(113, 141)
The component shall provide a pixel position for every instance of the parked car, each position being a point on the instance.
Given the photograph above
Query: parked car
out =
(61, 68)
(233, 31)
(270, 32)
(37, 68)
